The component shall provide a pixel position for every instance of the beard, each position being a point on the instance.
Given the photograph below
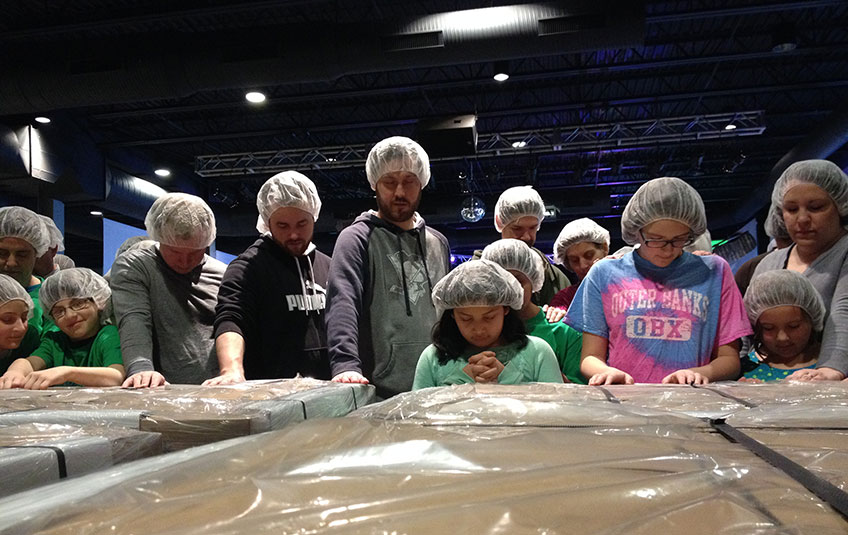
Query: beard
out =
(397, 210)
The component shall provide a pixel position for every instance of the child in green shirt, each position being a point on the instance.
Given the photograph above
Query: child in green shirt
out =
(526, 266)
(86, 350)
(479, 336)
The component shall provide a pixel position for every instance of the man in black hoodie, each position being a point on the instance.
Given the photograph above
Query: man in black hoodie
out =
(379, 305)
(269, 320)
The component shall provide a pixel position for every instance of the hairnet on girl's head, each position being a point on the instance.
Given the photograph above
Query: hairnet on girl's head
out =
(579, 231)
(397, 154)
(288, 189)
(782, 287)
(11, 290)
(775, 226)
(704, 242)
(663, 198)
(24, 224)
(130, 244)
(181, 220)
(822, 173)
(74, 283)
(64, 262)
(516, 255)
(477, 283)
(56, 238)
(518, 202)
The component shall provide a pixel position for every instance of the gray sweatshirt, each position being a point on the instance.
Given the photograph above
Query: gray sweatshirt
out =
(164, 318)
(829, 275)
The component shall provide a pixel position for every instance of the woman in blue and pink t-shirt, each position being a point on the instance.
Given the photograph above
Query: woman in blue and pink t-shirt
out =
(659, 314)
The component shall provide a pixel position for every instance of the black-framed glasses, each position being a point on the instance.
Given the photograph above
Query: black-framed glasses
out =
(76, 305)
(659, 244)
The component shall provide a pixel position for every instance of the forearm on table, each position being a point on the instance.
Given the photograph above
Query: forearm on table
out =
(229, 347)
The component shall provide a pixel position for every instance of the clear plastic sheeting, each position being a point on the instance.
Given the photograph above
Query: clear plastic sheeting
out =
(697, 402)
(188, 415)
(32, 455)
(824, 452)
(540, 404)
(351, 475)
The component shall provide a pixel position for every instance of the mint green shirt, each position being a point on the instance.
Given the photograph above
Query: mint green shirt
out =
(535, 363)
(101, 350)
(566, 342)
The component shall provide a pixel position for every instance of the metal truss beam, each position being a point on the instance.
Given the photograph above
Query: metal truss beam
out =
(566, 139)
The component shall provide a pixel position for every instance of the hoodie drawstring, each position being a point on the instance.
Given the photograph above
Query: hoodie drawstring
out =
(424, 260)
(302, 287)
(314, 286)
(403, 275)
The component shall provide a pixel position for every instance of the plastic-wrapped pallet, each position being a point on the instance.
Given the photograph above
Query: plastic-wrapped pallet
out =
(189, 415)
(32, 455)
(351, 475)
(697, 402)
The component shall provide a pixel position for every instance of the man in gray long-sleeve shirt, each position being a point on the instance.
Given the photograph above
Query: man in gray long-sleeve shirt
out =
(164, 296)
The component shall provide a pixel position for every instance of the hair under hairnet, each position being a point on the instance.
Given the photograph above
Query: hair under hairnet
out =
(704, 242)
(181, 220)
(74, 283)
(477, 283)
(397, 154)
(24, 224)
(516, 255)
(288, 189)
(130, 244)
(11, 290)
(579, 231)
(783, 287)
(64, 261)
(56, 238)
(518, 202)
(663, 198)
(822, 173)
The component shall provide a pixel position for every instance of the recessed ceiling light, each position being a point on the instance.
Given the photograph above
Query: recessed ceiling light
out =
(255, 97)
(162, 172)
(43, 120)
(730, 126)
(519, 144)
(501, 77)
(96, 213)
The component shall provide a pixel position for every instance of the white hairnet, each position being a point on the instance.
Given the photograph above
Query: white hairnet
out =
(181, 220)
(775, 226)
(288, 189)
(11, 290)
(782, 287)
(704, 242)
(56, 238)
(397, 154)
(24, 224)
(663, 198)
(130, 244)
(64, 261)
(579, 231)
(517, 255)
(822, 173)
(477, 283)
(518, 202)
(74, 283)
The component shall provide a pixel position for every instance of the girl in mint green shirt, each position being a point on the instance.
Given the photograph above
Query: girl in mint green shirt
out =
(479, 336)
(86, 350)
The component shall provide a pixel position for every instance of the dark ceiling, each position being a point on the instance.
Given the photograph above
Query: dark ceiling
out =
(605, 99)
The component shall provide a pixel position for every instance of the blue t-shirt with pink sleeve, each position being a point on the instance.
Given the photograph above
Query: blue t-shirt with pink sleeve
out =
(660, 320)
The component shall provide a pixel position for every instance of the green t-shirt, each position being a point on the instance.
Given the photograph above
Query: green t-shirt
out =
(566, 342)
(102, 350)
(40, 320)
(535, 363)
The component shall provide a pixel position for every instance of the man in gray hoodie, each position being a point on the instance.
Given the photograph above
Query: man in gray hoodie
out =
(379, 305)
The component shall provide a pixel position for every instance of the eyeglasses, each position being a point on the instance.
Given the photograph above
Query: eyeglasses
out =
(76, 305)
(659, 244)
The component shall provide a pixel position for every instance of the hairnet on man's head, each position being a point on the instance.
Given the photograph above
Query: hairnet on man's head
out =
(11, 290)
(579, 231)
(397, 154)
(663, 198)
(518, 202)
(288, 189)
(822, 173)
(56, 238)
(477, 283)
(64, 261)
(24, 224)
(181, 220)
(74, 283)
(783, 287)
(515, 255)
(775, 226)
